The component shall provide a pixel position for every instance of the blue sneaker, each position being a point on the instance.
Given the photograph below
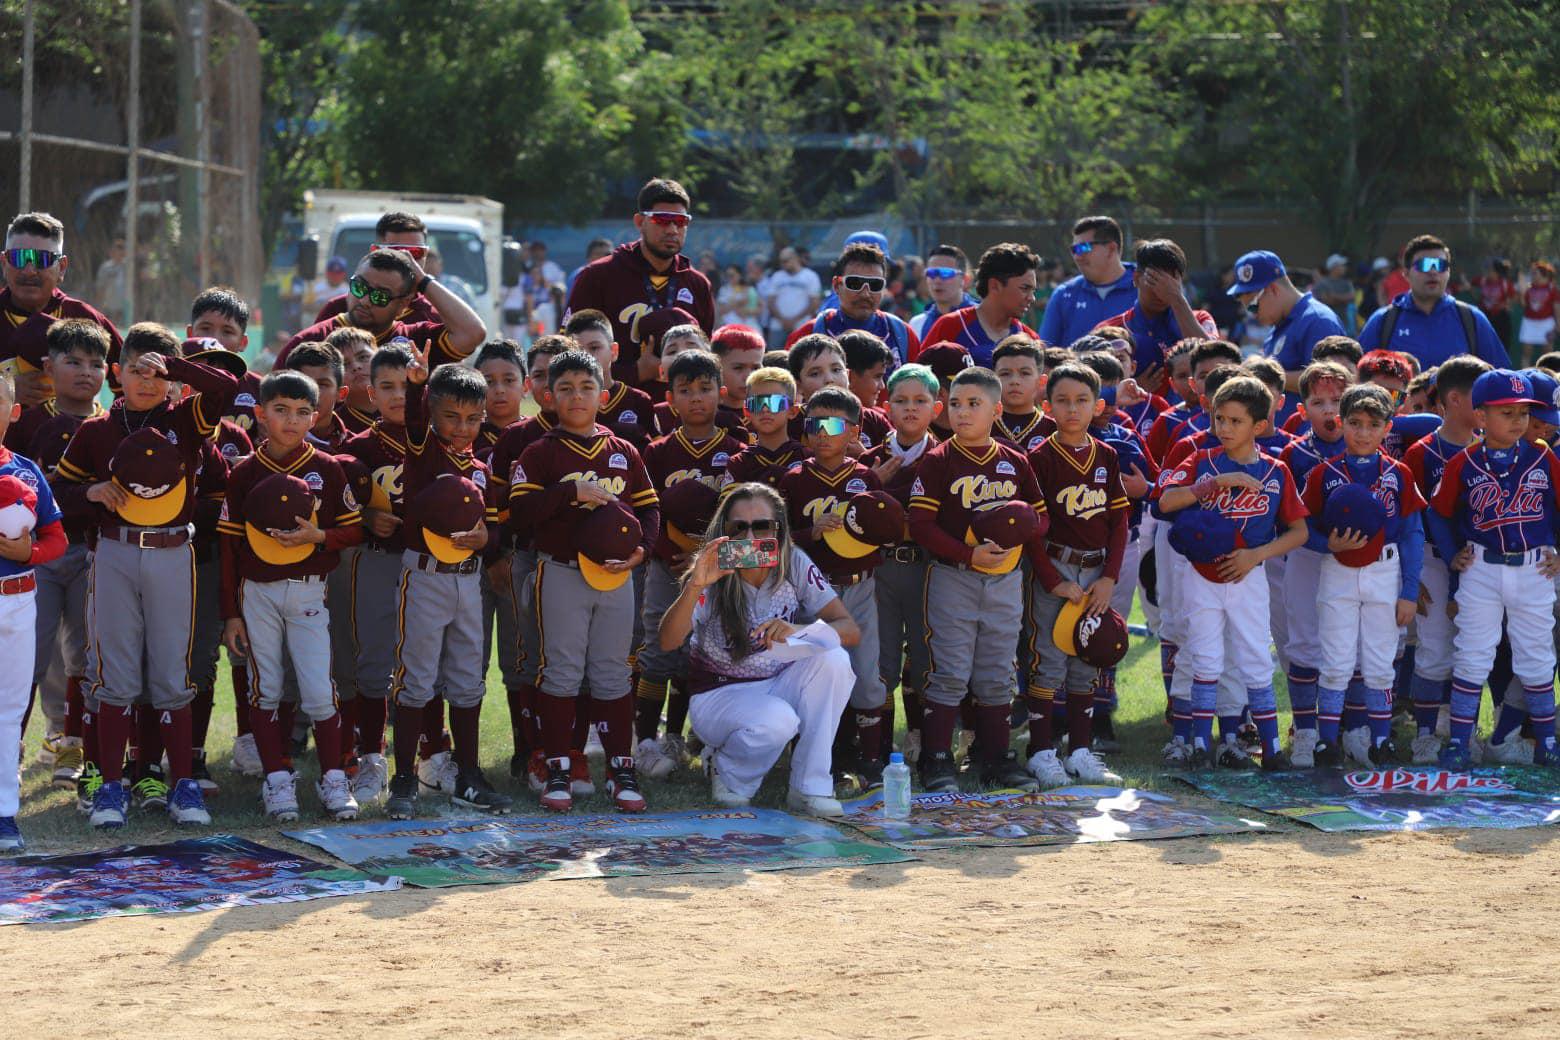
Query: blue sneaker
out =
(187, 804)
(108, 805)
(1455, 757)
(10, 835)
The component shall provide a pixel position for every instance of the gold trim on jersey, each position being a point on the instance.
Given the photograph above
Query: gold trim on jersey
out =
(1019, 435)
(271, 464)
(1067, 453)
(980, 460)
(839, 475)
(698, 452)
(580, 449)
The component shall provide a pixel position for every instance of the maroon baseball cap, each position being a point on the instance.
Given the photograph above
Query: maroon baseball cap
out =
(871, 520)
(946, 360)
(1009, 525)
(686, 509)
(277, 503)
(448, 504)
(150, 469)
(208, 351)
(608, 532)
(657, 323)
(1099, 642)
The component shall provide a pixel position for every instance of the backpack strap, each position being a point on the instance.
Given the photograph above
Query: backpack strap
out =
(1384, 335)
(1470, 330)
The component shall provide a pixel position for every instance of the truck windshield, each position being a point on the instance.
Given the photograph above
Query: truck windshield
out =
(460, 250)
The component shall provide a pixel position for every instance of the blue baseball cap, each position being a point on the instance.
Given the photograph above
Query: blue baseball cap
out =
(1546, 390)
(1202, 535)
(871, 238)
(1352, 507)
(336, 263)
(1503, 386)
(1256, 270)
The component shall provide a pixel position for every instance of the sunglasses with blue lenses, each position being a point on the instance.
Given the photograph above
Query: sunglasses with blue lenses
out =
(777, 403)
(1432, 264)
(943, 274)
(827, 426)
(1080, 248)
(42, 259)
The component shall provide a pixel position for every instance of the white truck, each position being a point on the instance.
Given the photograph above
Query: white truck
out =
(467, 231)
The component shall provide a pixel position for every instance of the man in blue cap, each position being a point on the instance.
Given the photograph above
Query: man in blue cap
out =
(1296, 320)
(871, 238)
(1427, 321)
(1102, 287)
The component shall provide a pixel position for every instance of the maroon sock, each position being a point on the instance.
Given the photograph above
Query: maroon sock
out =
(677, 707)
(175, 726)
(75, 707)
(89, 735)
(327, 742)
(967, 713)
(408, 732)
(991, 730)
(937, 726)
(582, 720)
(1080, 719)
(465, 729)
(519, 719)
(615, 723)
(348, 710)
(913, 708)
(886, 730)
(1042, 736)
(148, 737)
(200, 717)
(432, 741)
(869, 736)
(371, 725)
(287, 714)
(115, 724)
(557, 721)
(241, 700)
(270, 738)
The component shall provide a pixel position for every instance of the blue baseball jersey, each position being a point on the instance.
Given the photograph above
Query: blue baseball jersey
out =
(1078, 306)
(1153, 335)
(889, 328)
(1130, 452)
(1406, 429)
(1434, 337)
(1500, 499)
(1258, 515)
(46, 511)
(1290, 341)
(1426, 458)
(1392, 484)
(1306, 453)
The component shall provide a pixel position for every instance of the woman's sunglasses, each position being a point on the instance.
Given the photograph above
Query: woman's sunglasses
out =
(759, 528)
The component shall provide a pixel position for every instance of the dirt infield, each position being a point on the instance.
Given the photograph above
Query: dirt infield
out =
(1286, 934)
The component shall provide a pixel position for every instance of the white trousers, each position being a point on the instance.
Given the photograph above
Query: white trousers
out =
(1356, 619)
(1436, 631)
(1227, 627)
(1527, 599)
(1302, 574)
(1278, 609)
(18, 618)
(749, 724)
(1126, 585)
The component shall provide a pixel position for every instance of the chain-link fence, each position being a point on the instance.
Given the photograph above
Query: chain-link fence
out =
(136, 123)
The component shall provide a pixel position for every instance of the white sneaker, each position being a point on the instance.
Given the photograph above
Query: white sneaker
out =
(1443, 722)
(279, 795)
(913, 746)
(593, 749)
(1302, 749)
(724, 795)
(1356, 746)
(335, 796)
(651, 760)
(1045, 767)
(1513, 751)
(814, 804)
(1176, 753)
(438, 772)
(1089, 767)
(372, 780)
(1425, 750)
(246, 756)
(674, 747)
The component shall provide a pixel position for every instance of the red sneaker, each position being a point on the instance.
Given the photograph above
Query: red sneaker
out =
(555, 795)
(623, 786)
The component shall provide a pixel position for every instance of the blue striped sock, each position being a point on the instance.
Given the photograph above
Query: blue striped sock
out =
(1355, 713)
(1379, 704)
(1465, 709)
(1181, 718)
(1205, 694)
(1427, 703)
(1329, 708)
(1510, 719)
(1264, 712)
(1302, 696)
(1229, 728)
(1541, 709)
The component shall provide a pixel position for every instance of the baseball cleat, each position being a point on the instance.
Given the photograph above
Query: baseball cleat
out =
(1425, 749)
(867, 774)
(1006, 773)
(373, 777)
(1302, 749)
(1384, 754)
(402, 802)
(246, 755)
(279, 796)
(536, 771)
(10, 836)
(1087, 766)
(1326, 756)
(335, 793)
(652, 761)
(186, 804)
(814, 804)
(1231, 755)
(108, 805)
(1199, 759)
(1513, 751)
(1276, 762)
(557, 793)
(1045, 767)
(50, 748)
(201, 774)
(86, 787)
(580, 783)
(1176, 753)
(939, 775)
(1356, 745)
(623, 786)
(69, 757)
(1454, 756)
(150, 791)
(438, 772)
(472, 791)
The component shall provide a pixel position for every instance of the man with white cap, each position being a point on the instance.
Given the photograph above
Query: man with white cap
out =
(1336, 290)
(1297, 320)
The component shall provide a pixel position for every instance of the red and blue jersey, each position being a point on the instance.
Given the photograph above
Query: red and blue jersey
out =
(1154, 334)
(45, 511)
(1406, 429)
(1306, 453)
(1501, 499)
(1166, 428)
(1145, 412)
(1392, 484)
(964, 328)
(1130, 451)
(1258, 515)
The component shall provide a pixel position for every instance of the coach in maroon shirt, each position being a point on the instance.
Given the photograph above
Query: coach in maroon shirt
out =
(645, 276)
(395, 230)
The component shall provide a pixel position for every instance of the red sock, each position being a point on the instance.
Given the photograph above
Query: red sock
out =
(1080, 719)
(466, 729)
(519, 719)
(432, 741)
(408, 731)
(991, 730)
(583, 717)
(348, 710)
(937, 728)
(557, 721)
(286, 714)
(270, 738)
(89, 735)
(75, 706)
(615, 723)
(148, 737)
(371, 725)
(869, 736)
(200, 718)
(327, 742)
(175, 725)
(241, 700)
(115, 724)
(1042, 736)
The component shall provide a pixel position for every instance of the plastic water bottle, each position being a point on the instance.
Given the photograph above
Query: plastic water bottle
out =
(896, 788)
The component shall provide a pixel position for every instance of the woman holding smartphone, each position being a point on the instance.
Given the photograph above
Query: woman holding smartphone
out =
(757, 675)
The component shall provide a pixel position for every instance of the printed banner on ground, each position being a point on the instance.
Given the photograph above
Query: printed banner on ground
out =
(1409, 798)
(503, 849)
(179, 877)
(1062, 816)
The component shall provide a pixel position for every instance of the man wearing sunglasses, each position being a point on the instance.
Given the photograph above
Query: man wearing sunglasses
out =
(648, 274)
(1006, 279)
(859, 288)
(1427, 321)
(1296, 321)
(1102, 287)
(376, 302)
(947, 283)
(870, 238)
(34, 264)
(395, 230)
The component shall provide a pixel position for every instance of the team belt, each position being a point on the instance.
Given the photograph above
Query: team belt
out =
(18, 585)
(147, 537)
(434, 565)
(845, 581)
(1517, 559)
(905, 554)
(1075, 557)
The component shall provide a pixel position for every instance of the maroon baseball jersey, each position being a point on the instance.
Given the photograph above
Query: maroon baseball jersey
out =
(875, 427)
(624, 287)
(955, 482)
(427, 457)
(1024, 432)
(666, 422)
(331, 438)
(381, 452)
(187, 425)
(630, 414)
(28, 346)
(335, 511)
(1088, 509)
(354, 418)
(51, 436)
(541, 493)
(903, 479)
(242, 411)
(760, 464)
(810, 493)
(677, 457)
(217, 458)
(418, 308)
(430, 334)
(511, 444)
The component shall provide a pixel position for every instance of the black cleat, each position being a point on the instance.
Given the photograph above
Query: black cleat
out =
(1233, 756)
(1199, 761)
(1384, 754)
(1275, 762)
(1007, 772)
(1328, 756)
(472, 791)
(402, 803)
(868, 774)
(938, 773)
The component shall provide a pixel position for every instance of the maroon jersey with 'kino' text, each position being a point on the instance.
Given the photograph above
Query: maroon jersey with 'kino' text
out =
(542, 500)
(758, 464)
(677, 457)
(955, 483)
(380, 451)
(630, 414)
(1084, 499)
(810, 493)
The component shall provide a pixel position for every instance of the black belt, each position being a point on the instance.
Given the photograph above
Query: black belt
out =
(1075, 557)
(434, 565)
(1513, 559)
(905, 554)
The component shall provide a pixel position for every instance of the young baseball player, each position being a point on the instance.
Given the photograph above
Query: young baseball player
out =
(629, 412)
(574, 486)
(818, 493)
(1497, 498)
(138, 464)
(663, 328)
(974, 592)
(31, 535)
(741, 353)
(323, 363)
(946, 360)
(1017, 362)
(1178, 366)
(1426, 458)
(1080, 483)
(770, 404)
(697, 450)
(1368, 586)
(221, 314)
(357, 358)
(1224, 600)
(440, 594)
(287, 515)
(817, 361)
(866, 360)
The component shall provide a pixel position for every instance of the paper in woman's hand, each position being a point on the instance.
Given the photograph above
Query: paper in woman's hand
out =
(814, 639)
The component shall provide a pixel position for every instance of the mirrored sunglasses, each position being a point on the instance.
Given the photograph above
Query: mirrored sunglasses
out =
(827, 426)
(777, 403)
(943, 274)
(667, 218)
(1432, 264)
(42, 259)
(869, 282)
(378, 297)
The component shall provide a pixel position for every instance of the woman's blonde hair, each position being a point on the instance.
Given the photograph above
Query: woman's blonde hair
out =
(726, 595)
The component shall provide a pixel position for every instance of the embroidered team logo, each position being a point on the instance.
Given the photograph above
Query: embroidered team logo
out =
(147, 491)
(27, 476)
(684, 295)
(400, 341)
(244, 400)
(855, 486)
(1536, 478)
(617, 461)
(348, 499)
(1034, 442)
(1082, 501)
(1099, 475)
(1245, 272)
(479, 478)
(229, 451)
(629, 416)
(1273, 487)
(918, 488)
(719, 459)
(223, 515)
(314, 480)
(1005, 468)
(173, 438)
(517, 474)
(1389, 481)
